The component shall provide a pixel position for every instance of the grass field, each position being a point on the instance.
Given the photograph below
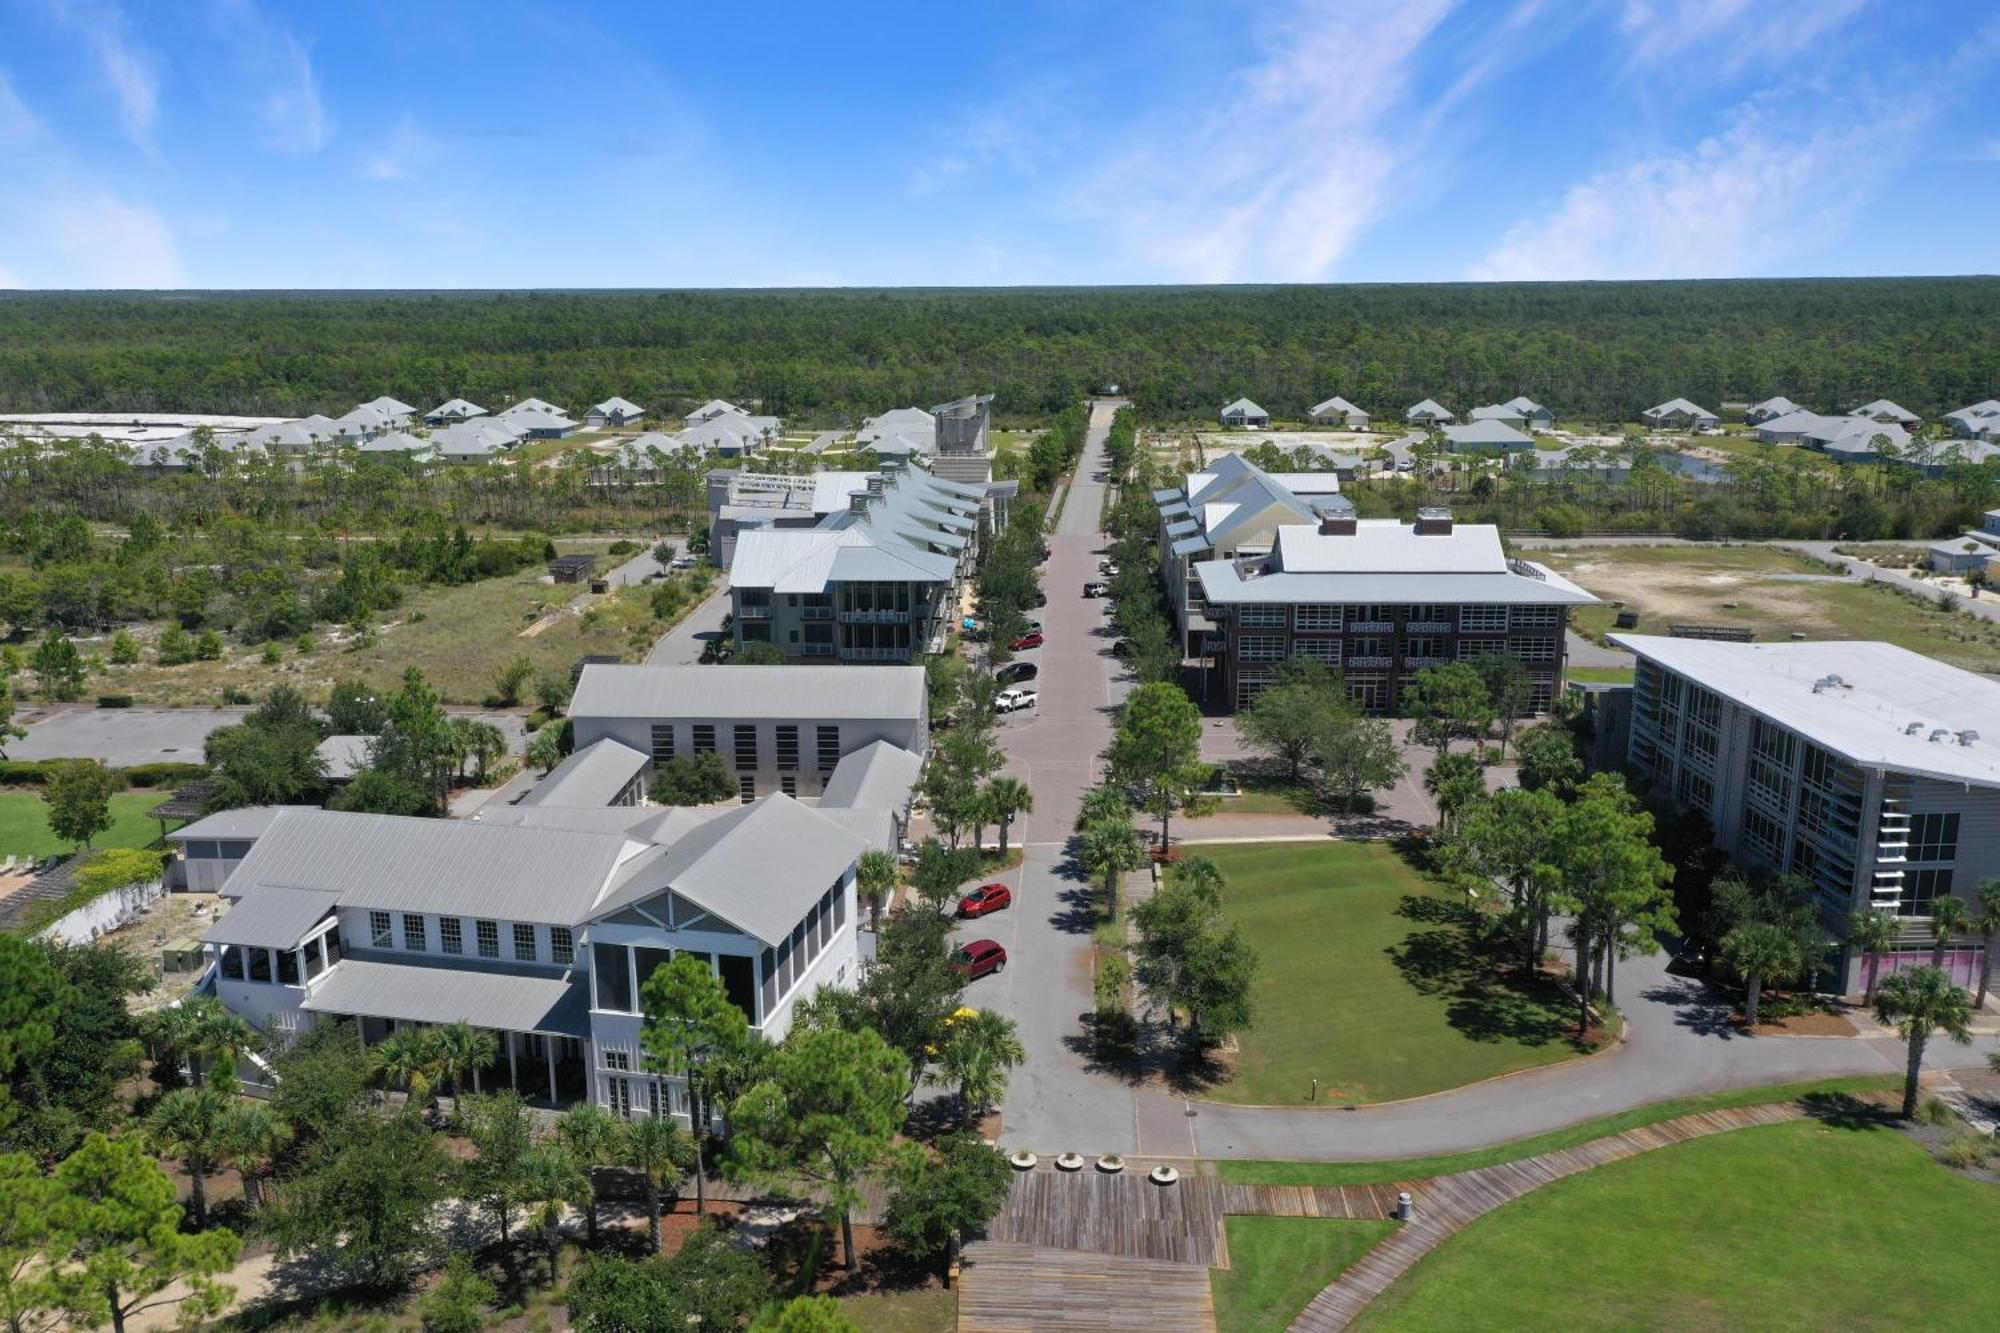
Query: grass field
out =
(24, 830)
(1799, 1226)
(1775, 592)
(927, 1311)
(1278, 1264)
(1419, 1168)
(1364, 981)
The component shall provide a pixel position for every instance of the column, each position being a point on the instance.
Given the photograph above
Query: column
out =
(513, 1076)
(549, 1045)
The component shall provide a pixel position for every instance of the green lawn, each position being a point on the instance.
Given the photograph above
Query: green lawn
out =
(928, 1311)
(25, 832)
(1278, 1264)
(1802, 1226)
(1419, 1168)
(1364, 981)
(1601, 675)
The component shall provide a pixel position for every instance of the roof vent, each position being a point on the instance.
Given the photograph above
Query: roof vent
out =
(1939, 733)
(1913, 728)
(1433, 521)
(1968, 736)
(857, 503)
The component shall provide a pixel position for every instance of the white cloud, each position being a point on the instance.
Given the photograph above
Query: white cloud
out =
(18, 124)
(1281, 176)
(7, 279)
(1727, 36)
(401, 155)
(275, 69)
(126, 66)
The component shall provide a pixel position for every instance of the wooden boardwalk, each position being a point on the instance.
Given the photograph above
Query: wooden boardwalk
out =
(1006, 1288)
(1446, 1204)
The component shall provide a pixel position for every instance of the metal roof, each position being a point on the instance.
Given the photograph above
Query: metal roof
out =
(1876, 704)
(1337, 404)
(395, 442)
(1429, 407)
(615, 404)
(1388, 546)
(1245, 407)
(247, 821)
(593, 776)
(345, 755)
(457, 993)
(1488, 432)
(750, 692)
(275, 918)
(1680, 407)
(878, 775)
(456, 407)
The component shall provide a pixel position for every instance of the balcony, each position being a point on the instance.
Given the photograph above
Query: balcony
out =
(754, 612)
(1370, 661)
(1370, 626)
(816, 613)
(1429, 627)
(1420, 663)
(875, 654)
(874, 617)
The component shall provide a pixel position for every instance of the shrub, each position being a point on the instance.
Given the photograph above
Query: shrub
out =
(124, 648)
(234, 696)
(116, 867)
(272, 654)
(114, 701)
(1935, 1111)
(26, 772)
(1966, 1152)
(622, 547)
(208, 647)
(460, 1302)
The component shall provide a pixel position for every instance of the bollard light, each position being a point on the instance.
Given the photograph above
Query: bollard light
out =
(1404, 1209)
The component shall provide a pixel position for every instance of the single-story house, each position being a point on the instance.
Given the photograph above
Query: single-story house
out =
(1770, 409)
(1964, 555)
(1791, 428)
(397, 442)
(1856, 439)
(475, 441)
(1884, 410)
(572, 568)
(1977, 421)
(614, 412)
(456, 410)
(362, 423)
(1246, 414)
(1532, 412)
(1679, 412)
(1485, 434)
(285, 439)
(537, 424)
(345, 756)
(393, 410)
(714, 407)
(1505, 413)
(1429, 413)
(1337, 411)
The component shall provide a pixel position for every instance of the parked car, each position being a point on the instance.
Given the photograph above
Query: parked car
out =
(1016, 672)
(1107, 568)
(986, 898)
(1032, 639)
(682, 562)
(1039, 600)
(979, 958)
(1008, 701)
(1096, 588)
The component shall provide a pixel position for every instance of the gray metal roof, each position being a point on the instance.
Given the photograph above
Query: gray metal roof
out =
(420, 993)
(878, 775)
(626, 819)
(247, 821)
(1222, 583)
(1488, 434)
(345, 755)
(750, 692)
(593, 776)
(273, 918)
(1244, 407)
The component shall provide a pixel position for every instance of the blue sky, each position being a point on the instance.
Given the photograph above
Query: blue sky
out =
(364, 143)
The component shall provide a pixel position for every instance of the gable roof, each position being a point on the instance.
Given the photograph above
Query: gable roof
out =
(750, 692)
(394, 442)
(1488, 434)
(345, 755)
(533, 405)
(592, 776)
(876, 776)
(1882, 407)
(1526, 406)
(1498, 412)
(1680, 407)
(714, 407)
(1432, 408)
(391, 406)
(456, 407)
(1774, 407)
(1336, 404)
(616, 406)
(1245, 407)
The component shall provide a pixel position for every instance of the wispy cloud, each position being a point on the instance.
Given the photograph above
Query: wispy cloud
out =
(1019, 133)
(275, 69)
(125, 65)
(1729, 36)
(18, 124)
(1279, 178)
(404, 153)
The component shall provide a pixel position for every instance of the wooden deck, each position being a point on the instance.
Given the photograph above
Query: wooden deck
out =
(1124, 1215)
(1446, 1204)
(1005, 1288)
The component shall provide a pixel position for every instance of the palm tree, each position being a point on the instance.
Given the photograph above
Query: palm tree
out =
(1948, 918)
(1874, 932)
(252, 1135)
(876, 874)
(485, 743)
(978, 1051)
(406, 1059)
(591, 1134)
(187, 1126)
(1760, 950)
(1101, 804)
(1986, 921)
(1917, 1003)
(1008, 797)
(653, 1146)
(1106, 848)
(549, 1181)
(211, 1038)
(456, 1049)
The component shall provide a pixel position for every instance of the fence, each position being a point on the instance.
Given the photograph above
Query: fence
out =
(107, 912)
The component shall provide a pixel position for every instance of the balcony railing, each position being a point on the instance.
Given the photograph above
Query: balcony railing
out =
(1429, 627)
(1370, 626)
(816, 613)
(875, 654)
(753, 612)
(1370, 661)
(1420, 663)
(874, 617)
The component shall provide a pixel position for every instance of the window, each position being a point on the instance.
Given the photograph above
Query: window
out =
(1761, 836)
(746, 746)
(524, 942)
(788, 784)
(1696, 791)
(260, 964)
(611, 966)
(1482, 619)
(1370, 693)
(451, 935)
(829, 748)
(746, 788)
(1357, 616)
(1431, 615)
(332, 938)
(657, 1100)
(1261, 648)
(1369, 648)
(619, 1060)
(1536, 617)
(415, 937)
(788, 747)
(1316, 618)
(647, 961)
(1534, 648)
(232, 962)
(288, 967)
(1265, 616)
(704, 737)
(1922, 889)
(488, 934)
(663, 742)
(1425, 647)
(1319, 650)
(1934, 837)
(378, 930)
(619, 1092)
(562, 945)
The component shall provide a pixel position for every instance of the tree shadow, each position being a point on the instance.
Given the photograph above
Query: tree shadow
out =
(933, 1116)
(1843, 1110)
(1464, 960)
(1695, 1007)
(1109, 1046)
(1190, 1071)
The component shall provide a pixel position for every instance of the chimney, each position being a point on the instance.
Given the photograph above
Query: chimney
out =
(857, 503)
(1433, 521)
(1336, 525)
(875, 485)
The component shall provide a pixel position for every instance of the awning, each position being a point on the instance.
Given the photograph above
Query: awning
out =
(418, 994)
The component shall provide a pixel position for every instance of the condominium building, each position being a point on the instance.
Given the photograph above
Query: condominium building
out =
(1866, 768)
(1381, 600)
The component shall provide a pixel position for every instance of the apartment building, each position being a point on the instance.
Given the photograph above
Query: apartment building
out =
(780, 729)
(1866, 768)
(1380, 600)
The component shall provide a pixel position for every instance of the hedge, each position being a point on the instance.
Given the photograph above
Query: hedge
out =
(34, 772)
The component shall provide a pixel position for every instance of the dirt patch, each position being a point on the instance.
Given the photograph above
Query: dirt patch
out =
(1806, 1025)
(681, 1221)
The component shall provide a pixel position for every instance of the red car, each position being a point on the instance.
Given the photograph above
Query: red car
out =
(978, 958)
(1032, 639)
(986, 898)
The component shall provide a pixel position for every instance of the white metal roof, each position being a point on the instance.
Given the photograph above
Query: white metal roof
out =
(1882, 713)
(455, 992)
(593, 776)
(1385, 544)
(1429, 407)
(747, 693)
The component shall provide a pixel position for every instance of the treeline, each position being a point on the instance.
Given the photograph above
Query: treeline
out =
(1591, 350)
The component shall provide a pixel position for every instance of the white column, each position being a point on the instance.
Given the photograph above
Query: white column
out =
(549, 1045)
(513, 1078)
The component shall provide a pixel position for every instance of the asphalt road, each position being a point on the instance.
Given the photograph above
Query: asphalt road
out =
(123, 737)
(682, 645)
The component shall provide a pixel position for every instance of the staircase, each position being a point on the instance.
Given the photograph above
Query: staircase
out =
(1892, 847)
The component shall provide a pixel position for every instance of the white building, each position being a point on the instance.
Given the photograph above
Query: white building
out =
(1337, 411)
(453, 411)
(614, 411)
(1679, 414)
(1429, 412)
(1771, 408)
(1246, 415)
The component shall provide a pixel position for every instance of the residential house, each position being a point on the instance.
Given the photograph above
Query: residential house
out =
(731, 434)
(1679, 414)
(452, 412)
(614, 411)
(1245, 415)
(1532, 413)
(1380, 600)
(783, 729)
(1771, 408)
(1884, 410)
(1978, 421)
(393, 411)
(1865, 768)
(476, 441)
(362, 423)
(1429, 413)
(1790, 427)
(345, 757)
(398, 442)
(1504, 413)
(1337, 411)
(714, 407)
(537, 424)
(289, 439)
(1485, 433)
(1856, 439)
(541, 934)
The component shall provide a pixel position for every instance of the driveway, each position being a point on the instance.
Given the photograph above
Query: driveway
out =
(682, 645)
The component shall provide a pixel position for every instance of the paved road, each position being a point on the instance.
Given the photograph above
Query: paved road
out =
(1986, 608)
(123, 737)
(682, 645)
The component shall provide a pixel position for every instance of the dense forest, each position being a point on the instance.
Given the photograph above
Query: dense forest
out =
(1590, 350)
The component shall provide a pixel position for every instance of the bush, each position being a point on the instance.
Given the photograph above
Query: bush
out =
(162, 774)
(26, 772)
(1935, 1111)
(459, 1304)
(124, 648)
(176, 647)
(116, 867)
(1966, 1152)
(272, 654)
(234, 696)
(114, 701)
(622, 547)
